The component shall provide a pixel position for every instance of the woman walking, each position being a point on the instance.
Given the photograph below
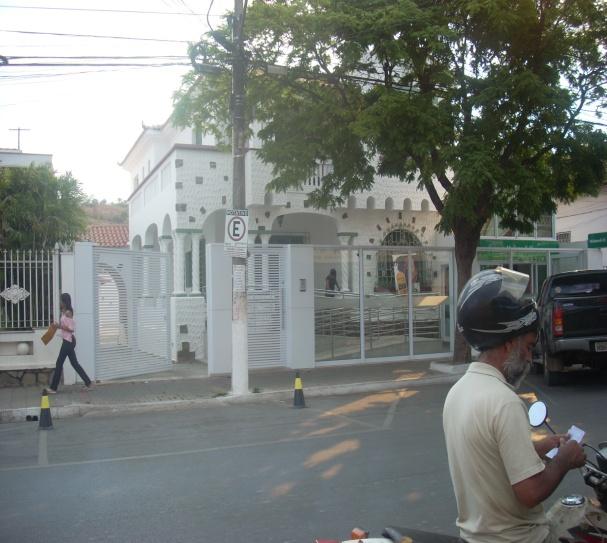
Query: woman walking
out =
(67, 326)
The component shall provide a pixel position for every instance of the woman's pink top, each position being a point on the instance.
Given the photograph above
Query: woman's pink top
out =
(69, 323)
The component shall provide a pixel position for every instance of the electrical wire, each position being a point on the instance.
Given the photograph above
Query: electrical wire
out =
(92, 57)
(103, 10)
(209, 14)
(91, 36)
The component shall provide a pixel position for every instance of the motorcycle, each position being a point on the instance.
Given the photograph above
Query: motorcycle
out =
(578, 519)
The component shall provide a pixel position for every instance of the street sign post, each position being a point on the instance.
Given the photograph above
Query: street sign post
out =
(236, 234)
(597, 241)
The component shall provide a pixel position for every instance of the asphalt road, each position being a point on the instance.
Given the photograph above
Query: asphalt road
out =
(261, 472)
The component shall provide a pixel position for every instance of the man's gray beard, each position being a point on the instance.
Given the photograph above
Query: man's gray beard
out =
(516, 367)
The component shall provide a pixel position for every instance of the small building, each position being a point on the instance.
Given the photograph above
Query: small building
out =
(15, 158)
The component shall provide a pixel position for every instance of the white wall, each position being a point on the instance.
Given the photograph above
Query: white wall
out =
(219, 309)
(587, 215)
(299, 307)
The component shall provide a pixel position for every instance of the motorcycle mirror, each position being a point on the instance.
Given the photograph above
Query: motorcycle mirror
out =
(538, 412)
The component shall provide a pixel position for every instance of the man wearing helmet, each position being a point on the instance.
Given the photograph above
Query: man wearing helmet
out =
(498, 474)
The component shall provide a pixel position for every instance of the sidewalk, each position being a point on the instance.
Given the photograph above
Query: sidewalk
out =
(187, 384)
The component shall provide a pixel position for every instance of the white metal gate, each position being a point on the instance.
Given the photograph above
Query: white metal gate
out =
(265, 293)
(132, 312)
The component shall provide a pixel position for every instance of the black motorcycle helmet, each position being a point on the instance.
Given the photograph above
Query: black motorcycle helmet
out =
(492, 309)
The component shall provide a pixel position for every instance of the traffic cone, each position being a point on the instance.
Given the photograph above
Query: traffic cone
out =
(298, 397)
(46, 421)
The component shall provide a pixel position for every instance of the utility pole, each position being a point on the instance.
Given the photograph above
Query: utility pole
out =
(18, 130)
(240, 354)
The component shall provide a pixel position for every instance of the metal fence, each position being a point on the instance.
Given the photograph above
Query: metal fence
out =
(28, 288)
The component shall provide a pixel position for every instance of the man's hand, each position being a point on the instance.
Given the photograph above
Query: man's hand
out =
(571, 454)
(548, 443)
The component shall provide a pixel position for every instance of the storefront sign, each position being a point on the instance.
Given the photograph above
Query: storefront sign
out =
(598, 240)
(519, 243)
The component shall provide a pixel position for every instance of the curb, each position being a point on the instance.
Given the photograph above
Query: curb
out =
(81, 410)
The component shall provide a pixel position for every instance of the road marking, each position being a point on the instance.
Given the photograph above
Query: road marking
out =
(188, 452)
(42, 448)
(390, 414)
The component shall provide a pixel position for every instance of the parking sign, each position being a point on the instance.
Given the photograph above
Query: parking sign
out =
(236, 234)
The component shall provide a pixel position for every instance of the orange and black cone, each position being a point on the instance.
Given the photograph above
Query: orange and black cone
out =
(46, 421)
(298, 398)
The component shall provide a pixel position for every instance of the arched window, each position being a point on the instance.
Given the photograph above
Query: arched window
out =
(351, 202)
(267, 199)
(370, 202)
(407, 204)
(389, 205)
(386, 259)
(425, 205)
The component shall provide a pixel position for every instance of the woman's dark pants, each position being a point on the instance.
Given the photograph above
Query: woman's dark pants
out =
(67, 351)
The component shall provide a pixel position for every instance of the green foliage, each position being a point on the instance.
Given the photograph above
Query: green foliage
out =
(476, 101)
(39, 208)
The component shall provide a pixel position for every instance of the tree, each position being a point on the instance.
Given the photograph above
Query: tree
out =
(476, 101)
(39, 208)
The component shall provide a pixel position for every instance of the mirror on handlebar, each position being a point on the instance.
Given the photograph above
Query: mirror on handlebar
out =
(538, 412)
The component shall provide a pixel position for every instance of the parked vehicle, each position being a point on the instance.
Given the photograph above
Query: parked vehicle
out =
(573, 323)
(576, 518)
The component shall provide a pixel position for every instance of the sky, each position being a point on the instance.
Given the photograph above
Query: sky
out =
(89, 117)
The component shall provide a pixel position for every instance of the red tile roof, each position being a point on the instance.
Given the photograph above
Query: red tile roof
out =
(108, 235)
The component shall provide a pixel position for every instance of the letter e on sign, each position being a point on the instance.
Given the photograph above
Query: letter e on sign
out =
(235, 240)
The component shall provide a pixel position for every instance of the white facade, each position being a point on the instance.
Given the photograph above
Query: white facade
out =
(587, 215)
(17, 158)
(182, 184)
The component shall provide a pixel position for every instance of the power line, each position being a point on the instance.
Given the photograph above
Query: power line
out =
(92, 36)
(92, 57)
(49, 65)
(102, 10)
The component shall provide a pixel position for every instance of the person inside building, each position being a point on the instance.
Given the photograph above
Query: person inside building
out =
(500, 476)
(331, 284)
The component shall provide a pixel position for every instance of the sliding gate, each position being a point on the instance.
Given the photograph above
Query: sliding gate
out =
(132, 315)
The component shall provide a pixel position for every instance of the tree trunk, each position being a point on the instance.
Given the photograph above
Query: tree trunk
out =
(466, 242)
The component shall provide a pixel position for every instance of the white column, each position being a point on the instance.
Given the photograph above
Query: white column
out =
(345, 240)
(164, 243)
(265, 261)
(179, 263)
(145, 265)
(196, 263)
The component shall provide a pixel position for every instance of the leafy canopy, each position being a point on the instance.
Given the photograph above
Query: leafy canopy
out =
(39, 208)
(477, 101)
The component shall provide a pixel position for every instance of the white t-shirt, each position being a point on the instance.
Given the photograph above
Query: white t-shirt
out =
(490, 449)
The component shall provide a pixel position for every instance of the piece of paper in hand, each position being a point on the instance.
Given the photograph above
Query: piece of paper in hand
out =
(575, 433)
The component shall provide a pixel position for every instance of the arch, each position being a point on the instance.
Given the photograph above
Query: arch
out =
(268, 199)
(136, 243)
(351, 202)
(370, 202)
(303, 227)
(389, 204)
(425, 205)
(407, 204)
(167, 229)
(151, 237)
(214, 226)
(388, 261)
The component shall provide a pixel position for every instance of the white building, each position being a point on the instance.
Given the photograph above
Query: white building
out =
(585, 217)
(182, 183)
(17, 158)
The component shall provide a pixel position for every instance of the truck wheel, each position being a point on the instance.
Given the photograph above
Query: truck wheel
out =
(552, 377)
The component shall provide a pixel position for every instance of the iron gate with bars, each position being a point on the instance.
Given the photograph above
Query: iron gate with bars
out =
(132, 328)
(265, 293)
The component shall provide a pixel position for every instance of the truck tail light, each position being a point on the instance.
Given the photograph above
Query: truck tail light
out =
(557, 320)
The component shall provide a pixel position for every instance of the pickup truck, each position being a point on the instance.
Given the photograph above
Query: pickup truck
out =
(573, 323)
